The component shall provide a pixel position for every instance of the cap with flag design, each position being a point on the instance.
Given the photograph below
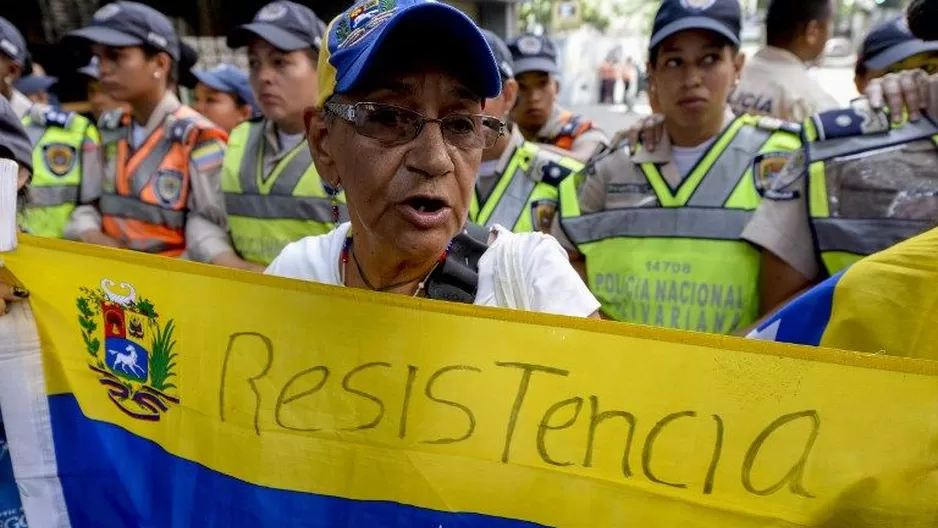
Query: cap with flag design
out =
(357, 36)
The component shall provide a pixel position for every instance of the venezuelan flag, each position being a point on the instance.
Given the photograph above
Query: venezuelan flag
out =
(138, 390)
(884, 304)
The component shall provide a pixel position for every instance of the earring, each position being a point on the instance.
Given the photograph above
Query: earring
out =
(157, 75)
(334, 192)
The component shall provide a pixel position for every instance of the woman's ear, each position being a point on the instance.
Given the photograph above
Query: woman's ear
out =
(246, 111)
(320, 146)
(738, 62)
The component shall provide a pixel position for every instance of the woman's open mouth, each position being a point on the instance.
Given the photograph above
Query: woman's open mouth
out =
(425, 212)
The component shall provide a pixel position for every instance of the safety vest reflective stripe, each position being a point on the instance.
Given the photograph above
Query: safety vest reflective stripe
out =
(278, 206)
(865, 236)
(512, 203)
(658, 222)
(723, 177)
(130, 207)
(835, 148)
(150, 165)
(52, 196)
(287, 178)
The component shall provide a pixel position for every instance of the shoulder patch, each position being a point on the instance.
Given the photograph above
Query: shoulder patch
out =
(766, 168)
(208, 155)
(775, 124)
(179, 130)
(857, 120)
(58, 118)
(571, 125)
(110, 120)
(549, 171)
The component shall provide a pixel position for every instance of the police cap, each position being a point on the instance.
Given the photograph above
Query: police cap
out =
(12, 43)
(719, 16)
(502, 54)
(890, 42)
(285, 25)
(123, 24)
(534, 53)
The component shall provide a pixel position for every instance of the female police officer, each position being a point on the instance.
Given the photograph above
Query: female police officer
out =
(272, 190)
(398, 124)
(660, 230)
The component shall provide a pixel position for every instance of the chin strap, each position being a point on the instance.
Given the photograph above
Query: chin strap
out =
(457, 278)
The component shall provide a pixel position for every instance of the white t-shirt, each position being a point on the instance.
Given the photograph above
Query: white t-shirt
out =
(551, 283)
(686, 157)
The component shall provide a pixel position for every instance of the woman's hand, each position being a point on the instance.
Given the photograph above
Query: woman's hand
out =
(10, 294)
(906, 91)
(647, 132)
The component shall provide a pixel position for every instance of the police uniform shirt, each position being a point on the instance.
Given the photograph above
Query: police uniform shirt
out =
(553, 126)
(274, 148)
(20, 103)
(206, 222)
(775, 82)
(618, 182)
(782, 224)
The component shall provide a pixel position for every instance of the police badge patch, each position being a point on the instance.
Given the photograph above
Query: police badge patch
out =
(766, 167)
(542, 214)
(59, 158)
(168, 186)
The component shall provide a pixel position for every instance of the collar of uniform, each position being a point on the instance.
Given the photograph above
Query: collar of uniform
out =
(169, 104)
(662, 152)
(20, 103)
(273, 141)
(516, 141)
(773, 54)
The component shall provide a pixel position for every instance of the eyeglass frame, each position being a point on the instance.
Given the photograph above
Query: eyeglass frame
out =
(347, 112)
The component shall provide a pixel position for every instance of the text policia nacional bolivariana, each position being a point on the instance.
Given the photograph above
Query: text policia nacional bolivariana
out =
(638, 454)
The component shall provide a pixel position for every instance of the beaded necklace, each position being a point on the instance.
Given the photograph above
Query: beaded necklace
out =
(348, 250)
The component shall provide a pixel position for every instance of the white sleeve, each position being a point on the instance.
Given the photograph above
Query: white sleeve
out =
(554, 286)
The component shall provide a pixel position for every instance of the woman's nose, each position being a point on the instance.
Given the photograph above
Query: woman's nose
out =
(430, 153)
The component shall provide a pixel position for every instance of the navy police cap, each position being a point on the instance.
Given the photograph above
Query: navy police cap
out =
(890, 42)
(124, 24)
(719, 16)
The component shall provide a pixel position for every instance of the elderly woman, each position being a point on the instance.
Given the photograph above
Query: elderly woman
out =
(399, 126)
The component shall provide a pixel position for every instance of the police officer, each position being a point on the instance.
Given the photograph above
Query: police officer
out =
(891, 47)
(865, 186)
(518, 181)
(160, 191)
(659, 231)
(65, 145)
(775, 80)
(273, 193)
(99, 100)
(537, 113)
(223, 94)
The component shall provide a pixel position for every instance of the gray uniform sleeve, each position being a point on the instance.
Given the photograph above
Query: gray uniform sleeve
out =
(86, 217)
(207, 221)
(781, 225)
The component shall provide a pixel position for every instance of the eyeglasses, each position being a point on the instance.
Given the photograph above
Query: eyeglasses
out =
(395, 126)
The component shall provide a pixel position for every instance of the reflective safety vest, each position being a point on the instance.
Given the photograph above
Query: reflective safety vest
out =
(146, 208)
(525, 197)
(572, 126)
(850, 135)
(268, 211)
(680, 263)
(58, 138)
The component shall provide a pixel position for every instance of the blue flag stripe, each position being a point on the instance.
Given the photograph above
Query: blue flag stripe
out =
(114, 478)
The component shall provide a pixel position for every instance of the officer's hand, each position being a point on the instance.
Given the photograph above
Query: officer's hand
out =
(10, 294)
(647, 132)
(907, 91)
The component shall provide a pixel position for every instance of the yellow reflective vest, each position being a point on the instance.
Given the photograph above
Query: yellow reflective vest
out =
(58, 138)
(268, 211)
(527, 190)
(677, 260)
(851, 138)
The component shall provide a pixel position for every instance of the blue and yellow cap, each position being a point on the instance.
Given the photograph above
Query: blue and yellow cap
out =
(356, 36)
